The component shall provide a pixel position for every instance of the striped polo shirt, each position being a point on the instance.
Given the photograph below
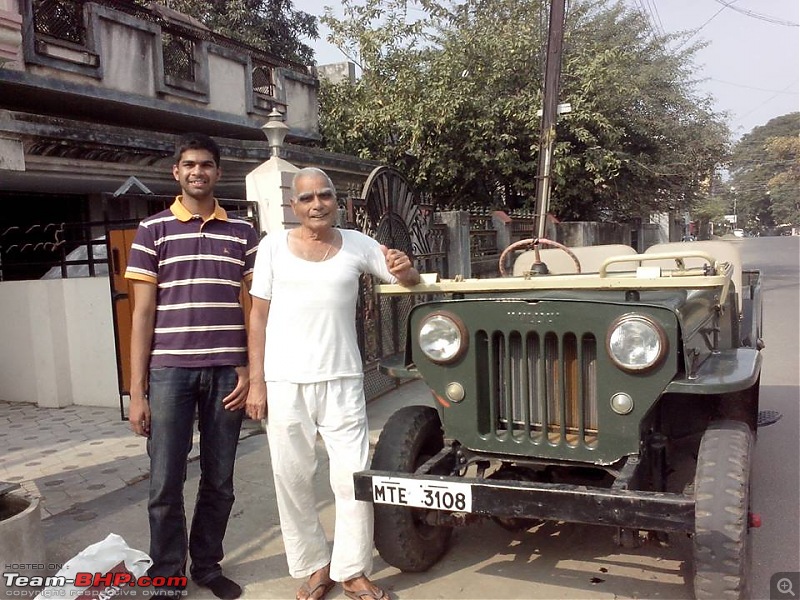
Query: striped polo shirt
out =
(198, 267)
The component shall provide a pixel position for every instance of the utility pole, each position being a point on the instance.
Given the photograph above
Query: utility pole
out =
(552, 74)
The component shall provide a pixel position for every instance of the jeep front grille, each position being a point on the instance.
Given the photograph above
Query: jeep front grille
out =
(543, 387)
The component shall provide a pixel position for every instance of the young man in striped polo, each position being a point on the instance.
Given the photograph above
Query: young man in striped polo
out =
(189, 354)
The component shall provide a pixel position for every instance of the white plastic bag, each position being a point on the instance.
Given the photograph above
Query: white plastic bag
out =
(112, 555)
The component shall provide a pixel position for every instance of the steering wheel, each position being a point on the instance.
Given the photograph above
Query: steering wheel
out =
(535, 242)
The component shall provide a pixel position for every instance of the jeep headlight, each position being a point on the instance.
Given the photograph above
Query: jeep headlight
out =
(442, 337)
(636, 343)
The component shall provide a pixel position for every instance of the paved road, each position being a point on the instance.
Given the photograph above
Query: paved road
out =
(551, 561)
(776, 469)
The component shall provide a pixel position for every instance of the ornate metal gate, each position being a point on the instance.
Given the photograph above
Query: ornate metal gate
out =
(390, 212)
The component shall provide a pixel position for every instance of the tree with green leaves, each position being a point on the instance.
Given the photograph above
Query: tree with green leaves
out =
(784, 186)
(765, 174)
(451, 94)
(270, 25)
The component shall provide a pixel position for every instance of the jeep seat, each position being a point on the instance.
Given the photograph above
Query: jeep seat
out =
(591, 257)
(721, 251)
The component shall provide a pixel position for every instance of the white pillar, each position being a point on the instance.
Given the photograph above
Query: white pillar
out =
(502, 225)
(10, 36)
(51, 384)
(270, 186)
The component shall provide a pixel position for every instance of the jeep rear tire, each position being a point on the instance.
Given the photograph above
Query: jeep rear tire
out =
(411, 436)
(722, 504)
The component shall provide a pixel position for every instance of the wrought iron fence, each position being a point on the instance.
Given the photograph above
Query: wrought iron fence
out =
(434, 260)
(53, 251)
(522, 229)
(522, 224)
(482, 236)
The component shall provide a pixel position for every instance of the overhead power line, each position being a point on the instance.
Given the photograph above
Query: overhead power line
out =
(755, 15)
(767, 101)
(758, 89)
(653, 20)
(656, 16)
(699, 29)
(729, 4)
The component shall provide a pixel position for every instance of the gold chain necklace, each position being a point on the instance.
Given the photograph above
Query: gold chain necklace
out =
(327, 252)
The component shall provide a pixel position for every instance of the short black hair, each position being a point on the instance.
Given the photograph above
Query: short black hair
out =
(196, 141)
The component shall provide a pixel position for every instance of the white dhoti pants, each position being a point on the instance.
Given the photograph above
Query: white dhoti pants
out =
(337, 410)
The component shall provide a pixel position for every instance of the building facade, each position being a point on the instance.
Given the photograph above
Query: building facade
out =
(93, 96)
(92, 93)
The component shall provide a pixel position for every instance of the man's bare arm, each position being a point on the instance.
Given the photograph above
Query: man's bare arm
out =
(256, 405)
(142, 327)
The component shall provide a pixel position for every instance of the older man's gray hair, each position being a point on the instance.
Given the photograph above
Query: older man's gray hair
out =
(311, 172)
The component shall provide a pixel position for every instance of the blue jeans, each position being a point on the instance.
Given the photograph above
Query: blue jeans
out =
(175, 393)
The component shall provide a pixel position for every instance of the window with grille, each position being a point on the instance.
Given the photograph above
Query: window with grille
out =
(178, 56)
(60, 19)
(262, 80)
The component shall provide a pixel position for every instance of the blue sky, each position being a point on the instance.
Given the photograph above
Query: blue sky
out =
(751, 65)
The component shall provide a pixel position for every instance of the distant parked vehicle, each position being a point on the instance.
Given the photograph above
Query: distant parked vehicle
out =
(738, 233)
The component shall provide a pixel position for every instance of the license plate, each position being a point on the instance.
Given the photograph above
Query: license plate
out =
(438, 495)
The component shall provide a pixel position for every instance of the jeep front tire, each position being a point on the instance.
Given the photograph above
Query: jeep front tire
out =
(410, 437)
(722, 512)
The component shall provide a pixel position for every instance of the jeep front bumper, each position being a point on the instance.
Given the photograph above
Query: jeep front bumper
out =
(634, 509)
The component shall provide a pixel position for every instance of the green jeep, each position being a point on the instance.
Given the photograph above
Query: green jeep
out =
(594, 385)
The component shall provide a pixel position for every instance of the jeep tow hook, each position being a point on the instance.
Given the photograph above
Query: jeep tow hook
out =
(754, 520)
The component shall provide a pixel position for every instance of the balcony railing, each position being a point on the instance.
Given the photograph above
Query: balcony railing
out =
(67, 21)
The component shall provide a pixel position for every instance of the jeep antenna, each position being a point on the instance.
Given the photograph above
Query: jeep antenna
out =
(552, 74)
